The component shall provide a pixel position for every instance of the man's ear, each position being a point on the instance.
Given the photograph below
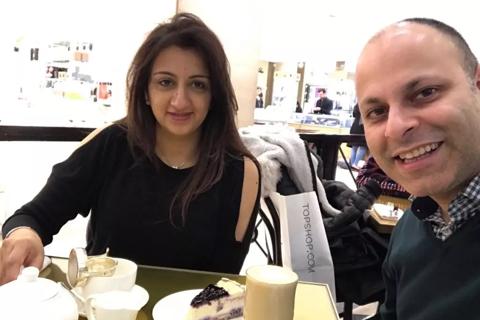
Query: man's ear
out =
(477, 77)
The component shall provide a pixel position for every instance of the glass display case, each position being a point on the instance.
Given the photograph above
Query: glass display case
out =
(304, 122)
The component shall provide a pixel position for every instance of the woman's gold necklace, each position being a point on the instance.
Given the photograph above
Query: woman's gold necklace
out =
(178, 167)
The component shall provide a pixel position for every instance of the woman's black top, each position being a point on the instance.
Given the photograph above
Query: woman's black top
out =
(129, 200)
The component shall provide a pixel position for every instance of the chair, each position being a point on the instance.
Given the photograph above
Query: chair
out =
(271, 220)
(270, 217)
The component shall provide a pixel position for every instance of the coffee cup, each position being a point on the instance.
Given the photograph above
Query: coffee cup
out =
(270, 293)
(122, 279)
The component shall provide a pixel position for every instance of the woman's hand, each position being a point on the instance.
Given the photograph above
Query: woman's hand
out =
(23, 247)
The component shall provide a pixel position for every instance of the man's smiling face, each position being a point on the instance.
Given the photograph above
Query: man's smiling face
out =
(420, 109)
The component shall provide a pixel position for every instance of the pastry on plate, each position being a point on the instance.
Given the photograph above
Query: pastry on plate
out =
(221, 301)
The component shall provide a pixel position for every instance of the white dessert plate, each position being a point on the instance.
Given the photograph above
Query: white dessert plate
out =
(175, 306)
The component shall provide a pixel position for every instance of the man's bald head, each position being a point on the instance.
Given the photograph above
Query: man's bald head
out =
(469, 61)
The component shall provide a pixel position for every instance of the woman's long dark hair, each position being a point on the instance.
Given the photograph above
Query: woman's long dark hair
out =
(219, 135)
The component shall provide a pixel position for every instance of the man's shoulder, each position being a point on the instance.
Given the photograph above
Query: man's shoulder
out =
(407, 226)
(407, 220)
(408, 233)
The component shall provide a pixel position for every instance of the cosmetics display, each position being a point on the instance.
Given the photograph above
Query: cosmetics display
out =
(62, 80)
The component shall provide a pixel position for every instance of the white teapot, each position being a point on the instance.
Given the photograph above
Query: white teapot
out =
(31, 297)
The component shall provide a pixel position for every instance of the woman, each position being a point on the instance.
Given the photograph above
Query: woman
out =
(171, 184)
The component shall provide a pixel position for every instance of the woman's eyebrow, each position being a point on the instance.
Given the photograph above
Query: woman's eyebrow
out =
(163, 73)
(200, 76)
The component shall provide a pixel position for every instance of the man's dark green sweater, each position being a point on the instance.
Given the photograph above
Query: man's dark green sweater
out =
(430, 279)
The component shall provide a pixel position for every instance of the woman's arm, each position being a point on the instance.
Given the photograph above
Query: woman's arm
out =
(250, 191)
(241, 202)
(67, 192)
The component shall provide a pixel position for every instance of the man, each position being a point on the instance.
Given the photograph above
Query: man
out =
(323, 105)
(418, 84)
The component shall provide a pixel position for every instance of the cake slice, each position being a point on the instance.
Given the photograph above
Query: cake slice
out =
(221, 301)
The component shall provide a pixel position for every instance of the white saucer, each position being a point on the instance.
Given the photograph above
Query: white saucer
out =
(138, 291)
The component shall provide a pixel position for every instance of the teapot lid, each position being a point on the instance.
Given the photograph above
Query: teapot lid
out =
(29, 287)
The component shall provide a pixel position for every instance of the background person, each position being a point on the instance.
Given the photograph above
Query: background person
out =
(371, 171)
(359, 151)
(259, 98)
(418, 87)
(298, 108)
(323, 105)
(171, 184)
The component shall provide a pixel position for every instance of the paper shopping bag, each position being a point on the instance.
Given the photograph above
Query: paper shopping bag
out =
(304, 243)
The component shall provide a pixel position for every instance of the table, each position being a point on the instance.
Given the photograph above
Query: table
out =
(312, 301)
(386, 226)
(327, 148)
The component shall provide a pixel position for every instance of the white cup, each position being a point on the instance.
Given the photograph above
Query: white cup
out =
(123, 279)
(270, 293)
(116, 305)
